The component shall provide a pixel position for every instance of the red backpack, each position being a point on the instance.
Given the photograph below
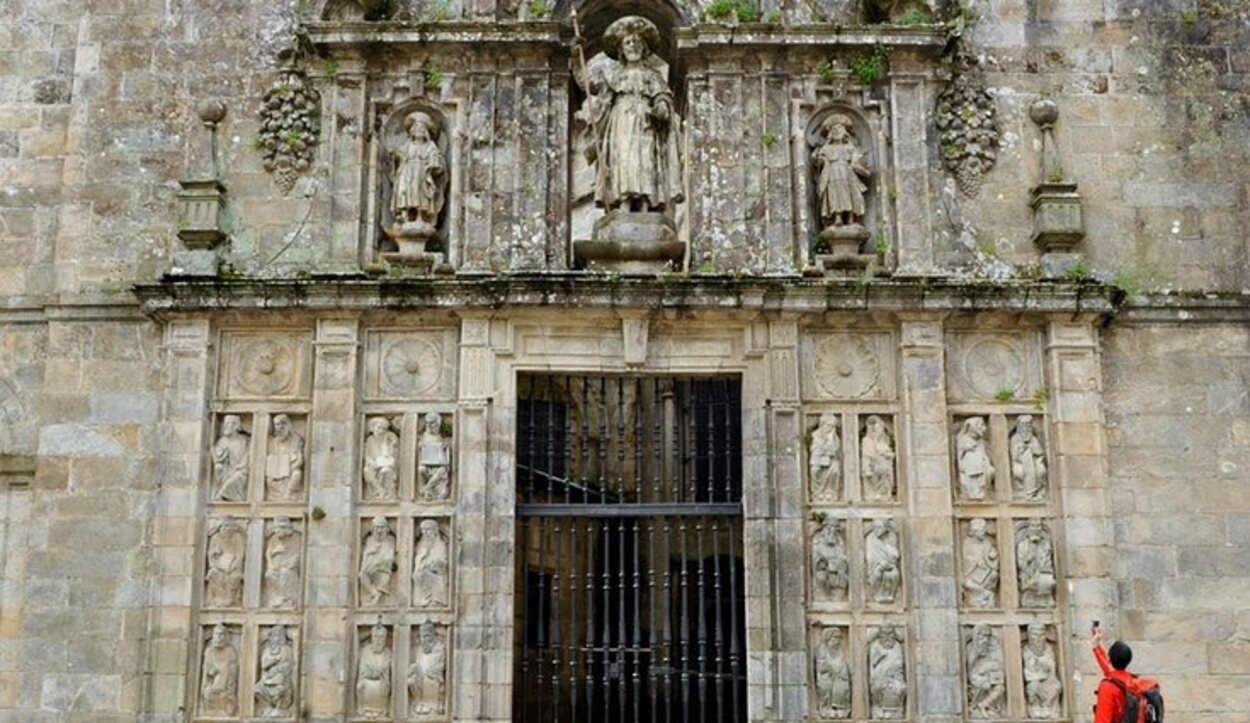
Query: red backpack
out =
(1142, 702)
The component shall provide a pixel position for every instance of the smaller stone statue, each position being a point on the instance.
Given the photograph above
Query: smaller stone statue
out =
(830, 567)
(373, 675)
(430, 566)
(1042, 688)
(976, 471)
(1035, 564)
(223, 582)
(840, 187)
(381, 472)
(825, 459)
(987, 691)
(433, 460)
(883, 557)
(219, 679)
(427, 675)
(887, 674)
(377, 564)
(876, 460)
(282, 563)
(418, 180)
(980, 566)
(275, 686)
(1028, 461)
(833, 675)
(230, 461)
(284, 462)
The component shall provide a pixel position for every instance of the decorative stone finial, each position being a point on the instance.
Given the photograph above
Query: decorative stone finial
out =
(1056, 204)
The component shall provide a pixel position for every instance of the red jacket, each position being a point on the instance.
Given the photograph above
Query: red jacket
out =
(1110, 706)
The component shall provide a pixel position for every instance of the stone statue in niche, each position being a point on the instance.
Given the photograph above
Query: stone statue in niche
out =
(430, 566)
(381, 472)
(876, 460)
(1028, 461)
(418, 185)
(282, 564)
(833, 675)
(825, 459)
(377, 564)
(1035, 564)
(887, 674)
(219, 677)
(373, 675)
(883, 557)
(433, 460)
(976, 471)
(980, 566)
(223, 582)
(275, 686)
(230, 461)
(284, 462)
(987, 690)
(634, 131)
(427, 675)
(1042, 688)
(830, 567)
(842, 169)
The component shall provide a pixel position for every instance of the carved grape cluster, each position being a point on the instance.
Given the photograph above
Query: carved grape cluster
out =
(290, 125)
(968, 122)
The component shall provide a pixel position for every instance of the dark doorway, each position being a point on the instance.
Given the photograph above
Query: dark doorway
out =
(629, 550)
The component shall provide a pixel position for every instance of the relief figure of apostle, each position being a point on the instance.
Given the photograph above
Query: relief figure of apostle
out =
(633, 123)
(230, 461)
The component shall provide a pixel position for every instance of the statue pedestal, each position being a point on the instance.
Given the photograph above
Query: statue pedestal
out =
(411, 237)
(1058, 227)
(631, 242)
(844, 244)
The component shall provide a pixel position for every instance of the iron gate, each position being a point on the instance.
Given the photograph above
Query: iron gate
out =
(630, 594)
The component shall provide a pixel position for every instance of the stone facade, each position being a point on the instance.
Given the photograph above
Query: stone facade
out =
(258, 449)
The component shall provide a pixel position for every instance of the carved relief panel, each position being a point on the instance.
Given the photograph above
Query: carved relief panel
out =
(859, 468)
(1005, 499)
(859, 672)
(848, 366)
(410, 365)
(264, 365)
(246, 671)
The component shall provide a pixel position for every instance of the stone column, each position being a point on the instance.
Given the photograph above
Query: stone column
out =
(188, 387)
(482, 639)
(1074, 373)
(910, 111)
(773, 522)
(934, 633)
(332, 469)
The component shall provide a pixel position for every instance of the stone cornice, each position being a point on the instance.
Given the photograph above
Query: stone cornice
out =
(705, 36)
(777, 294)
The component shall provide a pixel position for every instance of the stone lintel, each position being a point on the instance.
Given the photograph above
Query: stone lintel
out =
(590, 290)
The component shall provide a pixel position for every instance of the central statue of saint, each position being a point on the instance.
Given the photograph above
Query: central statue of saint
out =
(634, 126)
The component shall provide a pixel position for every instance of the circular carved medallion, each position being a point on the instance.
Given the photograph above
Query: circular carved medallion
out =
(265, 367)
(410, 366)
(992, 364)
(846, 367)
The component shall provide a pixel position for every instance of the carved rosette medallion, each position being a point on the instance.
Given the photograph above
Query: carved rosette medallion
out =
(410, 365)
(846, 367)
(992, 364)
(266, 366)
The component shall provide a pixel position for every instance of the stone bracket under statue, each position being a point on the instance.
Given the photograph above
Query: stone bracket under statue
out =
(631, 242)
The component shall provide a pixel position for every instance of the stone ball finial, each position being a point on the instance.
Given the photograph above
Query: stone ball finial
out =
(211, 112)
(1044, 112)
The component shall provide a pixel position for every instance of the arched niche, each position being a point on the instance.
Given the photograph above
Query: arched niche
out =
(594, 17)
(390, 137)
(868, 140)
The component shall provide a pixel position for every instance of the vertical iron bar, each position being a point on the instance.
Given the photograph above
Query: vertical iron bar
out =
(652, 649)
(701, 621)
(736, 623)
(583, 466)
(523, 565)
(684, 631)
(588, 646)
(718, 657)
(557, 635)
(574, 652)
(542, 614)
(550, 461)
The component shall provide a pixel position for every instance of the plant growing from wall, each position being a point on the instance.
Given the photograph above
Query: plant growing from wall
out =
(870, 68)
(433, 74)
(744, 11)
(290, 124)
(538, 8)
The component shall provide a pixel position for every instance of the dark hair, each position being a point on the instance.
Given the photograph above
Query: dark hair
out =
(1121, 655)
